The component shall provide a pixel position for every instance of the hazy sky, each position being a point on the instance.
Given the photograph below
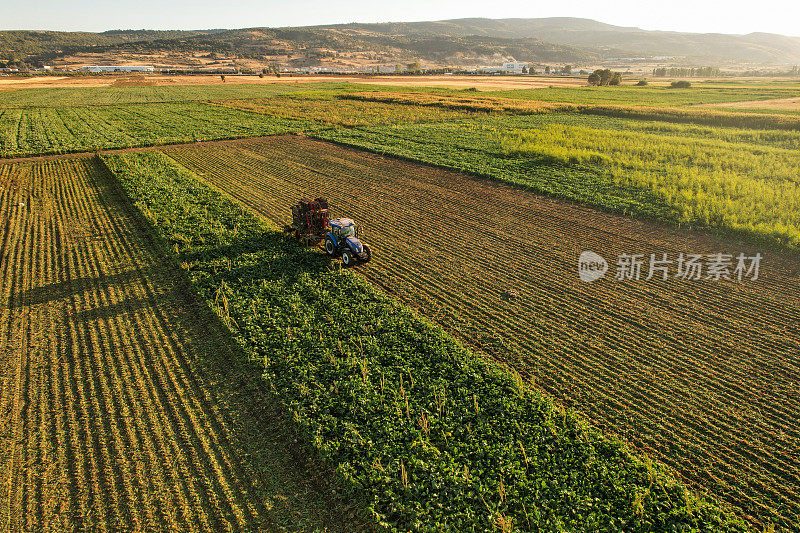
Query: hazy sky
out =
(730, 16)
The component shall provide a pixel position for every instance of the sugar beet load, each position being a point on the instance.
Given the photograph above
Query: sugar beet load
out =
(310, 224)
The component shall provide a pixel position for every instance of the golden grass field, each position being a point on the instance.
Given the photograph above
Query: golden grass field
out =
(482, 83)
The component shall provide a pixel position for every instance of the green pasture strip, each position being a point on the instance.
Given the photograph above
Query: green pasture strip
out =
(744, 181)
(109, 95)
(716, 117)
(85, 96)
(760, 110)
(79, 129)
(651, 96)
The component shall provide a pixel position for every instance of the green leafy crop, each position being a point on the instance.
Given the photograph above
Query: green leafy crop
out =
(432, 436)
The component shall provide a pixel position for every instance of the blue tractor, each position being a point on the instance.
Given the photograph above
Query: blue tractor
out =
(343, 239)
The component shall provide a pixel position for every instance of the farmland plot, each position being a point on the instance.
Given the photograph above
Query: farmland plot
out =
(123, 406)
(79, 129)
(703, 374)
(650, 96)
(720, 177)
(91, 96)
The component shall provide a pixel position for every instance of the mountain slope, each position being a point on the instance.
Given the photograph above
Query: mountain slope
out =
(458, 42)
(601, 37)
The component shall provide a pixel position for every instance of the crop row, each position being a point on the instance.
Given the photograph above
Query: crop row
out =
(118, 395)
(748, 187)
(620, 107)
(346, 112)
(100, 96)
(435, 437)
(77, 129)
(640, 359)
(653, 96)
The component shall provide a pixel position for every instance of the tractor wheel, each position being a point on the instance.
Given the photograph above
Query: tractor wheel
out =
(330, 248)
(347, 258)
(367, 253)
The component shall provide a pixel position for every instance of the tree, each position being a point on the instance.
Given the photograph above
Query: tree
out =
(547, 69)
(414, 68)
(398, 69)
(604, 77)
(524, 70)
(567, 69)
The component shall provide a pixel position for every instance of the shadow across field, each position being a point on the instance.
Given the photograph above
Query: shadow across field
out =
(71, 287)
(278, 482)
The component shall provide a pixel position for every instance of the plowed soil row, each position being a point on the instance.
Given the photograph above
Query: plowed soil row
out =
(703, 375)
(123, 406)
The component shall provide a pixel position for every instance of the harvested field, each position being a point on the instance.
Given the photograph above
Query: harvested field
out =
(124, 405)
(486, 83)
(777, 104)
(704, 375)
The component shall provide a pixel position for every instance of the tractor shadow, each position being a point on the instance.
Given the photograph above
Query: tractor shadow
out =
(279, 257)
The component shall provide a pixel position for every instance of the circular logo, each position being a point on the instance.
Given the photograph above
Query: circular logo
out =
(591, 266)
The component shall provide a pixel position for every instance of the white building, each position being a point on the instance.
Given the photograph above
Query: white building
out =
(515, 68)
(117, 68)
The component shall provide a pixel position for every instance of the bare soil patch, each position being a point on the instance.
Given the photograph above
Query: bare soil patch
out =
(482, 83)
(782, 104)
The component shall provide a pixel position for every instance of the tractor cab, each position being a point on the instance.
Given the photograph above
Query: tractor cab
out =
(343, 239)
(342, 228)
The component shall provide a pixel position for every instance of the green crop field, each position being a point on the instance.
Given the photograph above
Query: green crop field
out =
(464, 380)
(79, 129)
(650, 95)
(468, 241)
(732, 179)
(436, 437)
(345, 112)
(69, 96)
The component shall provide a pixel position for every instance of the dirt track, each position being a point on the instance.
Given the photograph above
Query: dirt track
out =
(123, 405)
(703, 375)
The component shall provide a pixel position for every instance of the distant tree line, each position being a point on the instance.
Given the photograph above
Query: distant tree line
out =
(683, 72)
(794, 71)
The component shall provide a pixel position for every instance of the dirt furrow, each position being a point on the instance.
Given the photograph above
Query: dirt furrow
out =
(124, 404)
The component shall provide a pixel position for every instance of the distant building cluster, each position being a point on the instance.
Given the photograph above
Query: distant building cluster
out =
(508, 67)
(117, 68)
